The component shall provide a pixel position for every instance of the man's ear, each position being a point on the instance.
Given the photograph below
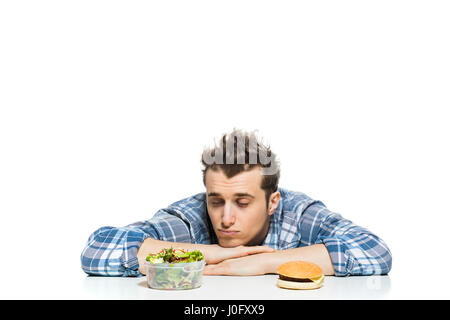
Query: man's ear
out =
(274, 199)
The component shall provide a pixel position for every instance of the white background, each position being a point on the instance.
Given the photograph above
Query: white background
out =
(105, 107)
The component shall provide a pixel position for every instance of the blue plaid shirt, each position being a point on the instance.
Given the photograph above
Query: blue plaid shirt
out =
(298, 221)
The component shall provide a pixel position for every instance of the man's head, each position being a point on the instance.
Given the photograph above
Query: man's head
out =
(241, 178)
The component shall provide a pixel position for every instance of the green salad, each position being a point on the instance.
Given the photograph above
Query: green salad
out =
(175, 256)
(175, 269)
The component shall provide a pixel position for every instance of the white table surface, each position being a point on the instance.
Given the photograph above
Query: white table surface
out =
(72, 283)
(239, 288)
(261, 287)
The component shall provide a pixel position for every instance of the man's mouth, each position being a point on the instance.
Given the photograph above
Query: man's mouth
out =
(228, 232)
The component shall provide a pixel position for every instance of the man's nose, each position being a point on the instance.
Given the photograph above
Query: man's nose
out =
(228, 217)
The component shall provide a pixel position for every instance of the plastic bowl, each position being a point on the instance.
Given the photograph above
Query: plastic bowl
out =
(175, 276)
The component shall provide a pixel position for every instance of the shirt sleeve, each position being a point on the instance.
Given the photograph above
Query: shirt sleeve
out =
(112, 251)
(353, 250)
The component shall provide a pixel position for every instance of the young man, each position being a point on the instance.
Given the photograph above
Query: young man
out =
(244, 224)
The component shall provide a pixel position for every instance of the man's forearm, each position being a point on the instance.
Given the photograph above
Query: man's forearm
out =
(263, 263)
(316, 253)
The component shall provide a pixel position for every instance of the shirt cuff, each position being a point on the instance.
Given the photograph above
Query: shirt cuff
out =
(132, 268)
(342, 261)
(129, 258)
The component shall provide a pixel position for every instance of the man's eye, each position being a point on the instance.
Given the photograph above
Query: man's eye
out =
(216, 203)
(242, 204)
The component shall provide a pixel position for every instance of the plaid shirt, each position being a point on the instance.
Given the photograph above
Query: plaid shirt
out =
(298, 221)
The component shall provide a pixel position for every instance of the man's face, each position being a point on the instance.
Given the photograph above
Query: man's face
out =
(237, 207)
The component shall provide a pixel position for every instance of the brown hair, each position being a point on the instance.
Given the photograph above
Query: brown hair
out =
(240, 151)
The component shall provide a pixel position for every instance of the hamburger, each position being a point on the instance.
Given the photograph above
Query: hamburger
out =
(300, 275)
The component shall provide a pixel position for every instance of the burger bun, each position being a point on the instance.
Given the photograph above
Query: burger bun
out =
(301, 275)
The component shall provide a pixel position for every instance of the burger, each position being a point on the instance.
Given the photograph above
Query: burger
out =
(300, 275)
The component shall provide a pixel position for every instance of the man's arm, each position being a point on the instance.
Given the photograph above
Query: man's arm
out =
(122, 251)
(112, 251)
(264, 263)
(354, 250)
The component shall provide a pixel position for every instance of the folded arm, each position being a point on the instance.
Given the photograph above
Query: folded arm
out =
(113, 251)
(122, 251)
(265, 263)
(337, 245)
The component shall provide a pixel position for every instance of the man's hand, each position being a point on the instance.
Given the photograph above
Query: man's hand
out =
(244, 266)
(215, 254)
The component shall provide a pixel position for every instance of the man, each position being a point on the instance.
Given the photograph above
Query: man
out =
(244, 224)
